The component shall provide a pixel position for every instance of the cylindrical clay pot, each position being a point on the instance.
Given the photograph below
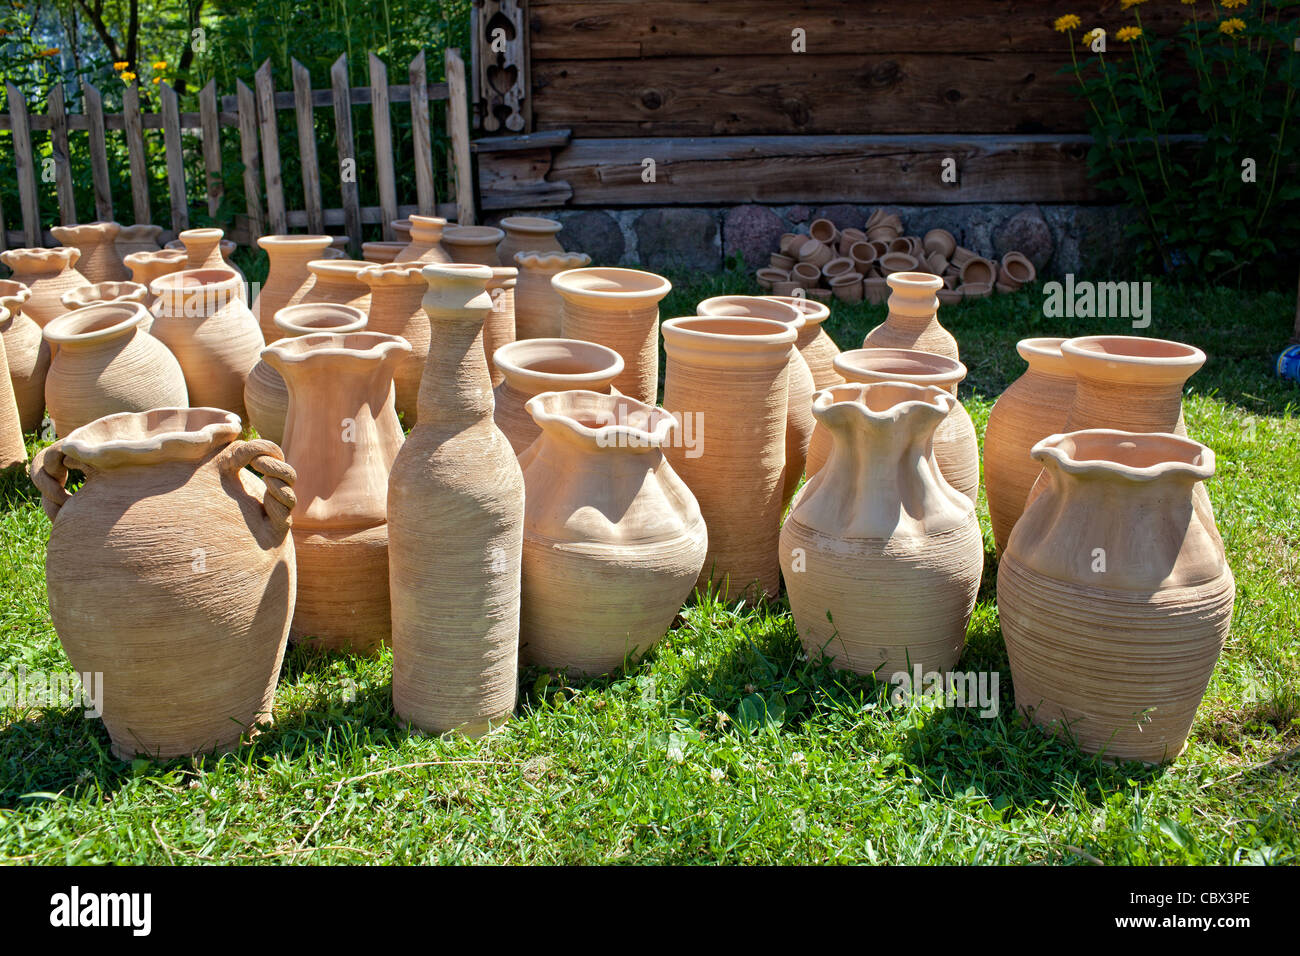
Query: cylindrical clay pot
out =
(99, 261)
(499, 327)
(473, 244)
(286, 275)
(539, 308)
(170, 572)
(27, 355)
(396, 292)
(425, 241)
(338, 281)
(528, 234)
(912, 321)
(48, 273)
(815, 345)
(534, 366)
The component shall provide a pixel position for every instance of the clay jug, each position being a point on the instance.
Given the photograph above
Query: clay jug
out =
(799, 419)
(266, 397)
(499, 329)
(137, 238)
(815, 345)
(528, 234)
(472, 244)
(337, 281)
(455, 527)
(881, 556)
(1114, 595)
(286, 275)
(396, 292)
(48, 273)
(911, 322)
(104, 363)
(208, 249)
(539, 309)
(618, 308)
(27, 354)
(727, 383)
(613, 538)
(13, 450)
(341, 435)
(534, 366)
(96, 241)
(147, 266)
(1033, 406)
(201, 318)
(170, 573)
(956, 447)
(425, 241)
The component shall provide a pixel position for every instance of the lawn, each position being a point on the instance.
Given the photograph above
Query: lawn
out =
(726, 744)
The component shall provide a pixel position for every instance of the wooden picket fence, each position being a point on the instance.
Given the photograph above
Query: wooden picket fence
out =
(253, 113)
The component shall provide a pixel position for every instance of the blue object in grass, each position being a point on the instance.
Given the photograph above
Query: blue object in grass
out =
(1288, 363)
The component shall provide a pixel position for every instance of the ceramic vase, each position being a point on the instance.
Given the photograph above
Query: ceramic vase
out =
(1034, 406)
(285, 277)
(48, 273)
(138, 238)
(539, 308)
(815, 345)
(201, 318)
(727, 382)
(209, 249)
(499, 328)
(613, 539)
(475, 245)
(341, 435)
(881, 556)
(1114, 595)
(528, 234)
(147, 266)
(618, 308)
(27, 355)
(455, 526)
(13, 450)
(533, 366)
(170, 573)
(912, 322)
(396, 292)
(424, 243)
(337, 281)
(96, 241)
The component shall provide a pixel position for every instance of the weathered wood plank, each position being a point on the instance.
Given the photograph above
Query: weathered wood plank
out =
(59, 148)
(115, 121)
(517, 179)
(423, 146)
(347, 151)
(358, 95)
(173, 146)
(547, 139)
(385, 175)
(368, 214)
(270, 136)
(307, 147)
(135, 155)
(249, 155)
(214, 186)
(25, 164)
(458, 127)
(92, 103)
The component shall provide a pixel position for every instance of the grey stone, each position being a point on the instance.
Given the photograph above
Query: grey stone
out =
(798, 213)
(1026, 232)
(844, 215)
(678, 238)
(595, 233)
(753, 232)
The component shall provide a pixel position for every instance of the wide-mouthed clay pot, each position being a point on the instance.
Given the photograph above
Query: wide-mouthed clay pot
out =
(396, 292)
(618, 308)
(266, 397)
(209, 249)
(1016, 270)
(381, 253)
(499, 327)
(402, 229)
(815, 345)
(138, 238)
(104, 363)
(1034, 406)
(912, 322)
(286, 275)
(341, 435)
(48, 273)
(528, 234)
(147, 266)
(455, 528)
(424, 244)
(1114, 594)
(13, 450)
(338, 281)
(539, 308)
(613, 539)
(940, 241)
(473, 244)
(881, 556)
(727, 382)
(101, 292)
(170, 573)
(530, 367)
(27, 355)
(97, 242)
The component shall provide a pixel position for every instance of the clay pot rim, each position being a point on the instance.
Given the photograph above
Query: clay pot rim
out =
(732, 334)
(1019, 258)
(1197, 461)
(140, 230)
(908, 365)
(810, 271)
(106, 228)
(834, 230)
(202, 233)
(771, 274)
(13, 292)
(814, 313)
(842, 263)
(913, 281)
(750, 306)
(452, 271)
(415, 219)
(67, 256)
(320, 241)
(1044, 354)
(160, 434)
(503, 277)
(1102, 348)
(534, 224)
(350, 319)
(361, 345)
(512, 361)
(979, 262)
(905, 269)
(845, 278)
(154, 255)
(857, 258)
(227, 246)
(639, 286)
(557, 410)
(551, 261)
(67, 328)
(191, 280)
(390, 273)
(976, 288)
(104, 292)
(907, 398)
(468, 235)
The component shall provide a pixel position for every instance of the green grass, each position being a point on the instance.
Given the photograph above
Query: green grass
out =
(726, 744)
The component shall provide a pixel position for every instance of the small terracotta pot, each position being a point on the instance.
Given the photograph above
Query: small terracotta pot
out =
(948, 296)
(382, 253)
(978, 271)
(97, 242)
(806, 274)
(814, 252)
(884, 233)
(902, 244)
(530, 367)
(337, 281)
(286, 276)
(472, 244)
(766, 278)
(780, 262)
(499, 326)
(425, 234)
(824, 231)
(147, 266)
(939, 241)
(950, 279)
(1002, 288)
(847, 288)
(528, 234)
(892, 262)
(1016, 270)
(790, 243)
(27, 355)
(48, 273)
(863, 255)
(138, 238)
(975, 290)
(848, 239)
(960, 256)
(786, 289)
(837, 267)
(539, 308)
(912, 321)
(875, 289)
(936, 263)
(821, 295)
(879, 247)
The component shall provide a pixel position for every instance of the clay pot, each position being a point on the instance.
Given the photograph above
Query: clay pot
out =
(27, 355)
(266, 397)
(892, 262)
(956, 448)
(950, 296)
(48, 273)
(881, 556)
(96, 241)
(939, 241)
(975, 290)
(528, 234)
(170, 573)
(879, 247)
(936, 263)
(539, 308)
(817, 348)
(766, 278)
(613, 539)
(875, 290)
(337, 281)
(402, 229)
(912, 322)
(101, 292)
(784, 290)
(806, 275)
(1016, 270)
(902, 244)
(837, 267)
(1003, 288)
(863, 255)
(200, 317)
(396, 291)
(425, 245)
(790, 243)
(821, 295)
(727, 382)
(473, 244)
(499, 327)
(824, 231)
(382, 252)
(208, 249)
(1117, 655)
(138, 238)
(847, 288)
(780, 263)
(978, 271)
(106, 363)
(13, 450)
(530, 367)
(147, 266)
(1033, 406)
(814, 252)
(286, 276)
(848, 239)
(960, 256)
(619, 308)
(799, 421)
(341, 435)
(455, 527)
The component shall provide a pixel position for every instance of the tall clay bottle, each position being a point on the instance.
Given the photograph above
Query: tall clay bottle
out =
(912, 322)
(396, 292)
(26, 354)
(455, 526)
(286, 275)
(424, 241)
(499, 329)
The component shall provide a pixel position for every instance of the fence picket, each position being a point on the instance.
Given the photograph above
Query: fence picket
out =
(347, 151)
(210, 122)
(307, 147)
(172, 145)
(265, 86)
(58, 114)
(458, 125)
(25, 165)
(93, 104)
(385, 176)
(423, 148)
(248, 153)
(135, 154)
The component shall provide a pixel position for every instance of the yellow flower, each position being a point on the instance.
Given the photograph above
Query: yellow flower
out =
(1125, 4)
(1230, 4)
(1128, 34)
(160, 64)
(120, 65)
(1187, 3)
(1092, 35)
(1234, 25)
(1067, 22)
(157, 80)
(127, 76)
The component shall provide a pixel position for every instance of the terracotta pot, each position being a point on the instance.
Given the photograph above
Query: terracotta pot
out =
(879, 247)
(950, 279)
(147, 266)
(814, 252)
(27, 355)
(499, 327)
(396, 292)
(936, 263)
(1034, 406)
(286, 276)
(975, 290)
(266, 397)
(336, 281)
(821, 295)
(201, 318)
(875, 290)
(170, 572)
(892, 262)
(341, 435)
(613, 539)
(960, 256)
(847, 288)
(780, 263)
(539, 308)
(728, 383)
(96, 241)
(530, 367)
(101, 292)
(528, 234)
(13, 450)
(939, 241)
(950, 296)
(426, 241)
(138, 238)
(48, 273)
(1016, 270)
(208, 249)
(837, 267)
(104, 363)
(766, 278)
(824, 231)
(881, 556)
(912, 321)
(455, 608)
(978, 271)
(1117, 654)
(618, 308)
(402, 230)
(863, 255)
(473, 244)
(801, 385)
(815, 345)
(902, 244)
(382, 252)
(956, 448)
(784, 290)
(848, 239)
(806, 275)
